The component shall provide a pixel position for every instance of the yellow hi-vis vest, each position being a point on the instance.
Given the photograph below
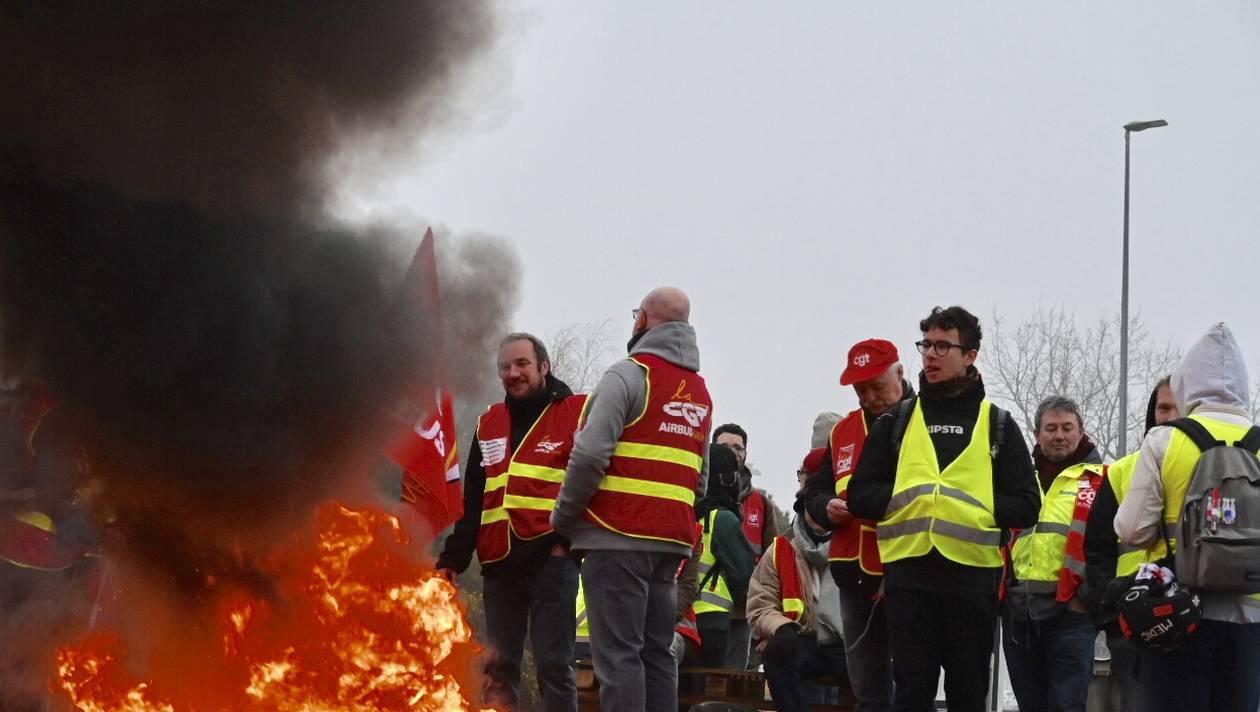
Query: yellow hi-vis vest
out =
(1038, 552)
(1129, 558)
(583, 626)
(714, 596)
(951, 510)
(1179, 461)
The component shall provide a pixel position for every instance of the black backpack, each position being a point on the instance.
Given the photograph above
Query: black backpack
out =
(1218, 529)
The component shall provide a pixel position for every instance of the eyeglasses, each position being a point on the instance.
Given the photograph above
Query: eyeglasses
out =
(736, 448)
(636, 312)
(940, 347)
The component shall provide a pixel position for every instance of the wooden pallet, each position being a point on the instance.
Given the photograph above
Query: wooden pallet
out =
(743, 689)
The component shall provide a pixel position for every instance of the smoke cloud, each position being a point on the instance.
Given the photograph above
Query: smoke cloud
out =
(222, 353)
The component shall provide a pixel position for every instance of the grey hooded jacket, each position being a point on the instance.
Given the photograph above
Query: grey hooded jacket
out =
(1211, 381)
(618, 399)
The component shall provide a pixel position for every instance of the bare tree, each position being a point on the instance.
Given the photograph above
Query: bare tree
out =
(1052, 353)
(1253, 406)
(581, 352)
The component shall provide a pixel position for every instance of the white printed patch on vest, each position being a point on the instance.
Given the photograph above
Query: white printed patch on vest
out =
(945, 429)
(548, 446)
(844, 461)
(677, 429)
(492, 451)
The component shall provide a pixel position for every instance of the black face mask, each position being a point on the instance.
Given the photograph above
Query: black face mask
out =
(635, 339)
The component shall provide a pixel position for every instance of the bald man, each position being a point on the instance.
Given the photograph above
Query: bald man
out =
(636, 469)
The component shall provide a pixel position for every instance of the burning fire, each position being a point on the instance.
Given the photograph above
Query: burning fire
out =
(355, 626)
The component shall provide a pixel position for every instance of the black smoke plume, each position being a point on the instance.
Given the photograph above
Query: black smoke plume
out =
(221, 352)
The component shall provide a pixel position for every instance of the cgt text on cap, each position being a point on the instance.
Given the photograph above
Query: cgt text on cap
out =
(868, 359)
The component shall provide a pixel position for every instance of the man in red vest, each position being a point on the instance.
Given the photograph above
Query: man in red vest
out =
(515, 465)
(875, 372)
(628, 498)
(760, 528)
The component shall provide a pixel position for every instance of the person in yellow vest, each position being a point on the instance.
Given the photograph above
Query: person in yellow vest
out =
(627, 502)
(726, 560)
(794, 610)
(1218, 667)
(515, 465)
(944, 475)
(1106, 560)
(1047, 631)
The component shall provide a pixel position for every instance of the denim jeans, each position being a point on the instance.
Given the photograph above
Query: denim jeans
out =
(789, 682)
(544, 606)
(1217, 669)
(630, 604)
(1051, 662)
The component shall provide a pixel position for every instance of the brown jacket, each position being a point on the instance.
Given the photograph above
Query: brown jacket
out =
(765, 608)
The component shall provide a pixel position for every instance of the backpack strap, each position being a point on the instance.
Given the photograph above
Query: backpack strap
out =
(997, 430)
(901, 419)
(1198, 434)
(1251, 441)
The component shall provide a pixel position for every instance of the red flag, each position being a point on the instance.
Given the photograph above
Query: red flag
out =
(426, 451)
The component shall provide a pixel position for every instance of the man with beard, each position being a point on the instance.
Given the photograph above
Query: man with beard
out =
(1106, 559)
(1048, 633)
(875, 372)
(944, 475)
(627, 501)
(515, 465)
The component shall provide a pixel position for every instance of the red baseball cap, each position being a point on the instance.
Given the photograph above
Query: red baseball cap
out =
(868, 359)
(814, 460)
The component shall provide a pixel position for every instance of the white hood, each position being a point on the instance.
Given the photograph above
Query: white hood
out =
(1211, 374)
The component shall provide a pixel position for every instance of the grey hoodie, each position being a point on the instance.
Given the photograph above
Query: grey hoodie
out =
(618, 399)
(1211, 381)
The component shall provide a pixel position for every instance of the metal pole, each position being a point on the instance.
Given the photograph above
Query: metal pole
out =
(1124, 313)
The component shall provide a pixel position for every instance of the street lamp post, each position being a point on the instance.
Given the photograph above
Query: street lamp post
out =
(1129, 128)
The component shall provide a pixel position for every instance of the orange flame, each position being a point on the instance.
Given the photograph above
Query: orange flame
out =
(355, 626)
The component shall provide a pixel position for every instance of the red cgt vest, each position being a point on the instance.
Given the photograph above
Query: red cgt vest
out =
(855, 539)
(754, 511)
(522, 486)
(649, 487)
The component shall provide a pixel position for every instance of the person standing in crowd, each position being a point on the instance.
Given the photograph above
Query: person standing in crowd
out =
(874, 370)
(1047, 631)
(1218, 667)
(726, 559)
(794, 612)
(1106, 559)
(945, 475)
(517, 457)
(757, 515)
(627, 499)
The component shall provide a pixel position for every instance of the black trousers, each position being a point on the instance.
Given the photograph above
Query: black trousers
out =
(542, 606)
(931, 630)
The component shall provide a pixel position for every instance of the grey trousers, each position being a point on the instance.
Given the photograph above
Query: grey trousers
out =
(866, 650)
(630, 604)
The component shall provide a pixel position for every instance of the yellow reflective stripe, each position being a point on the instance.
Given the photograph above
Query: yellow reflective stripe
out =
(497, 514)
(842, 484)
(496, 482)
(659, 453)
(535, 472)
(794, 605)
(39, 520)
(516, 501)
(660, 490)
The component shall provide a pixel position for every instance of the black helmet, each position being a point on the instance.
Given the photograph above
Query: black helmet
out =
(1158, 615)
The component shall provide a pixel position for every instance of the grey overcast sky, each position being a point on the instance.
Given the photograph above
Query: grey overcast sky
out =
(815, 173)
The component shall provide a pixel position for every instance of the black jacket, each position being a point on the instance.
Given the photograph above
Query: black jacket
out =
(1016, 495)
(525, 556)
(819, 489)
